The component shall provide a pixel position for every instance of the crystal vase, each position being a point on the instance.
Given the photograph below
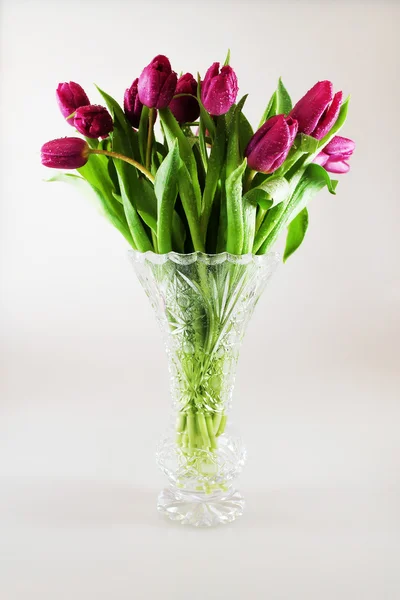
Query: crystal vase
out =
(203, 304)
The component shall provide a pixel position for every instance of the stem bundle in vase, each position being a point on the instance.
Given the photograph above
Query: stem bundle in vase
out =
(202, 199)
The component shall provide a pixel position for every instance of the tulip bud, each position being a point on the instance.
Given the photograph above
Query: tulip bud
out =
(93, 121)
(157, 83)
(335, 155)
(65, 153)
(132, 105)
(185, 109)
(269, 146)
(318, 110)
(70, 96)
(219, 89)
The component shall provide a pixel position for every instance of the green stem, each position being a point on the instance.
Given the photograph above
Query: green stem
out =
(150, 132)
(248, 181)
(260, 217)
(126, 159)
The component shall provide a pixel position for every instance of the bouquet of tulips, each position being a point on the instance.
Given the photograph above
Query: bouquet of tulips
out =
(209, 183)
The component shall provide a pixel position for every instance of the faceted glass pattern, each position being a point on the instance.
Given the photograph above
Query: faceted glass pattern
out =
(203, 304)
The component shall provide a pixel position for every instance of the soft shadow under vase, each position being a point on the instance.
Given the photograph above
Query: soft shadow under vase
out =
(203, 304)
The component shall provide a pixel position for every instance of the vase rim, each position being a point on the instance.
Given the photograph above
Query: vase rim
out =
(209, 259)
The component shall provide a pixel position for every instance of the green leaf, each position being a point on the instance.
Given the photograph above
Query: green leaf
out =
(271, 192)
(146, 205)
(306, 143)
(116, 111)
(223, 217)
(337, 126)
(189, 203)
(135, 224)
(234, 207)
(128, 144)
(245, 133)
(216, 161)
(204, 116)
(296, 233)
(312, 181)
(283, 101)
(82, 184)
(142, 133)
(233, 154)
(249, 226)
(166, 191)
(267, 226)
(64, 177)
(303, 144)
(172, 132)
(95, 172)
(160, 149)
(270, 111)
(130, 188)
(228, 58)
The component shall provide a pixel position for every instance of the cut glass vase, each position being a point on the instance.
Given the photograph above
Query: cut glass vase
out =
(203, 304)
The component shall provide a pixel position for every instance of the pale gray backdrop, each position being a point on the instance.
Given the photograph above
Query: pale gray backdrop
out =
(84, 380)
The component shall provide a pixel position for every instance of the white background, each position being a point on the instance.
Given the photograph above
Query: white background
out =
(84, 384)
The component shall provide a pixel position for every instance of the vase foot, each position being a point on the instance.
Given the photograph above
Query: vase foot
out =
(200, 509)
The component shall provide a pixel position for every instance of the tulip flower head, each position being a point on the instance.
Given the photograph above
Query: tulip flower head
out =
(93, 121)
(270, 145)
(157, 83)
(318, 110)
(334, 157)
(219, 89)
(70, 96)
(65, 153)
(132, 105)
(185, 109)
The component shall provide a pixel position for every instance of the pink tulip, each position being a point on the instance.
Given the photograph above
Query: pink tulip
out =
(318, 110)
(219, 89)
(70, 96)
(334, 157)
(93, 121)
(65, 153)
(185, 109)
(132, 105)
(157, 83)
(269, 146)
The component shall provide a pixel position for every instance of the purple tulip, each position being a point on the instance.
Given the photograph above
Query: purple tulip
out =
(269, 146)
(65, 153)
(336, 154)
(185, 109)
(93, 121)
(219, 89)
(132, 105)
(70, 96)
(318, 110)
(157, 83)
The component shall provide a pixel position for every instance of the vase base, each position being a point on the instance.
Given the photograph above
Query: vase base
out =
(200, 509)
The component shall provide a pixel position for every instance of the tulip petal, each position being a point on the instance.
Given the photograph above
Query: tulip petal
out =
(167, 90)
(329, 118)
(340, 145)
(157, 82)
(185, 109)
(93, 121)
(270, 145)
(70, 96)
(312, 106)
(212, 72)
(132, 105)
(219, 90)
(65, 153)
(337, 166)
(321, 159)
